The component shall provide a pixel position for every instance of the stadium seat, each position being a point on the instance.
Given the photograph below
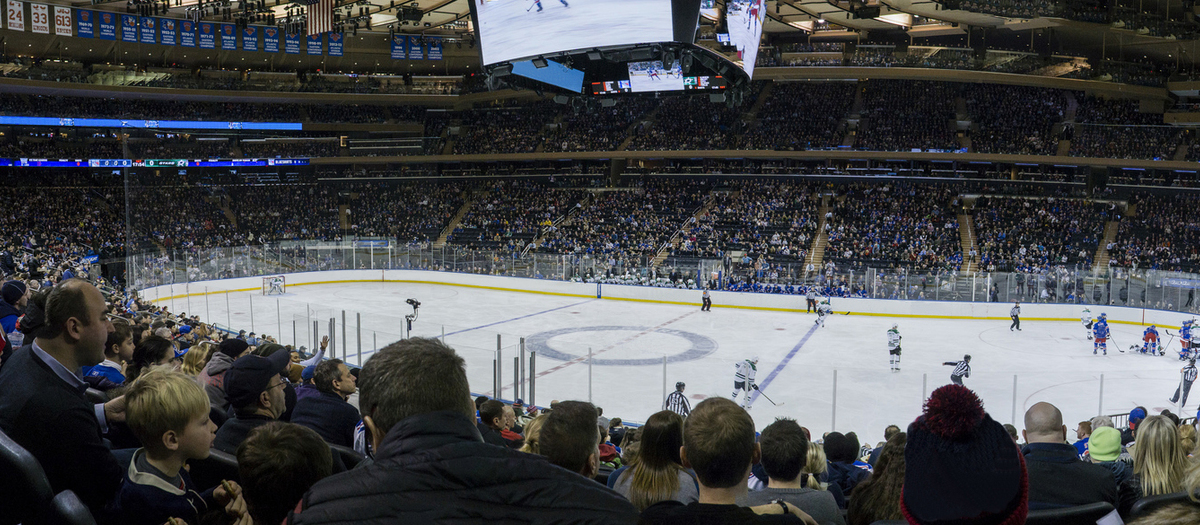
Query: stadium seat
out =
(96, 396)
(24, 488)
(1078, 515)
(1150, 504)
(67, 509)
(349, 456)
(209, 472)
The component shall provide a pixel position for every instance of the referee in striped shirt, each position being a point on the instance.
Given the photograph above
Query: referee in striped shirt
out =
(677, 403)
(1188, 374)
(961, 369)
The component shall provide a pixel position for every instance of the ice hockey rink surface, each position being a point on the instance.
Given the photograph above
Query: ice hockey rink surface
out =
(1051, 361)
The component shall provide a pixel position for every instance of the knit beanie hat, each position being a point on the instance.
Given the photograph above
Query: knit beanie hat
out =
(1104, 444)
(233, 347)
(961, 466)
(12, 291)
(840, 447)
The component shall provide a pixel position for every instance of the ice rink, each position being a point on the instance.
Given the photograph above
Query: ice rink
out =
(1051, 361)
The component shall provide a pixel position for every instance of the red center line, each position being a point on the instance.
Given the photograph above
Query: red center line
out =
(582, 359)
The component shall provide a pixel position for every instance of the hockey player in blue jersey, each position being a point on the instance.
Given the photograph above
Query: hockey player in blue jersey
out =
(1150, 341)
(1185, 340)
(1100, 334)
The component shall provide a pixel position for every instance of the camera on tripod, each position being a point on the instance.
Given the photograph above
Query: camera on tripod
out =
(415, 303)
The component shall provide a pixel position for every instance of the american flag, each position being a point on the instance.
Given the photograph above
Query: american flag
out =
(320, 17)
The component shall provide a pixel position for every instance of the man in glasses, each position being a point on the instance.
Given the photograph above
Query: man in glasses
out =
(254, 388)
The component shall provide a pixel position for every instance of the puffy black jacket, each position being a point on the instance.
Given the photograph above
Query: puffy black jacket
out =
(435, 468)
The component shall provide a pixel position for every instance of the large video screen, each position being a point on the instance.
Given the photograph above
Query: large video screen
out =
(553, 73)
(744, 19)
(652, 76)
(512, 29)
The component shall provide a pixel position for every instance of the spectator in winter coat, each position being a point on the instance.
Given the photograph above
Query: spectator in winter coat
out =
(431, 465)
(844, 469)
(213, 376)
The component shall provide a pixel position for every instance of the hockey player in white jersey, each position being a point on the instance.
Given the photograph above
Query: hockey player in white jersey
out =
(823, 311)
(744, 380)
(1086, 319)
(893, 337)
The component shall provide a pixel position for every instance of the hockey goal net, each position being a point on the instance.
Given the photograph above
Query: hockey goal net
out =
(274, 285)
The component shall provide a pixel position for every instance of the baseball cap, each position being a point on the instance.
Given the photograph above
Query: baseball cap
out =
(518, 403)
(1104, 444)
(1137, 414)
(250, 375)
(308, 372)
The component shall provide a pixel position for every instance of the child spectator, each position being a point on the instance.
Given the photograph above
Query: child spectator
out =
(118, 350)
(277, 463)
(168, 412)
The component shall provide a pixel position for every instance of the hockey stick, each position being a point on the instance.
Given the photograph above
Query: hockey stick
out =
(761, 393)
(1115, 343)
(530, 7)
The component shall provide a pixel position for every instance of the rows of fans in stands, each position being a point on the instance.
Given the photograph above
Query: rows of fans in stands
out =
(318, 442)
(895, 116)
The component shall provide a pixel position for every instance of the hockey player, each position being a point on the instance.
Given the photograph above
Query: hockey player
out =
(1100, 334)
(1185, 340)
(1086, 319)
(823, 310)
(752, 14)
(893, 337)
(1150, 341)
(676, 402)
(961, 369)
(744, 380)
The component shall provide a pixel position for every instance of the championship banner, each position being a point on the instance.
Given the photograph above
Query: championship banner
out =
(129, 28)
(435, 47)
(250, 38)
(148, 26)
(166, 31)
(399, 43)
(291, 43)
(62, 21)
(39, 18)
(108, 26)
(229, 37)
(335, 44)
(415, 52)
(208, 36)
(315, 45)
(271, 39)
(187, 33)
(16, 15)
(83, 23)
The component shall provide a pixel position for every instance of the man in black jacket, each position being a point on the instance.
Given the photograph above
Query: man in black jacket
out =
(328, 412)
(255, 391)
(44, 408)
(431, 465)
(1057, 477)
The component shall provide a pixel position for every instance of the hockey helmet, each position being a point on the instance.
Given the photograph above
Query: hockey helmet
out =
(679, 385)
(895, 326)
(1088, 310)
(1103, 315)
(967, 357)
(754, 359)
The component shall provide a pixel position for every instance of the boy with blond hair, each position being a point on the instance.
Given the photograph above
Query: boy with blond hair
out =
(168, 412)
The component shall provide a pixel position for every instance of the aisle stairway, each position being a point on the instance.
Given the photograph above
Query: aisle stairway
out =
(468, 200)
(1102, 256)
(816, 252)
(966, 236)
(665, 250)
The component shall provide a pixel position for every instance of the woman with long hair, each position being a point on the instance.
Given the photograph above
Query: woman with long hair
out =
(533, 431)
(1159, 463)
(152, 351)
(816, 467)
(878, 498)
(197, 357)
(658, 474)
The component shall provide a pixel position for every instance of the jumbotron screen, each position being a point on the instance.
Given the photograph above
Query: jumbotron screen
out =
(513, 29)
(744, 20)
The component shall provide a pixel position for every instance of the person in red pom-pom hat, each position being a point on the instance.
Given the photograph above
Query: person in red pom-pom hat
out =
(961, 466)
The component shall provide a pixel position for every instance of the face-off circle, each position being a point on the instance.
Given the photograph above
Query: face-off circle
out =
(700, 346)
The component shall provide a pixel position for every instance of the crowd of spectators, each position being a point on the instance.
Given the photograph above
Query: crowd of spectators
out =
(1159, 235)
(1117, 129)
(896, 224)
(509, 215)
(907, 115)
(802, 116)
(1035, 233)
(506, 129)
(1014, 119)
(769, 221)
(297, 148)
(408, 211)
(692, 123)
(603, 129)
